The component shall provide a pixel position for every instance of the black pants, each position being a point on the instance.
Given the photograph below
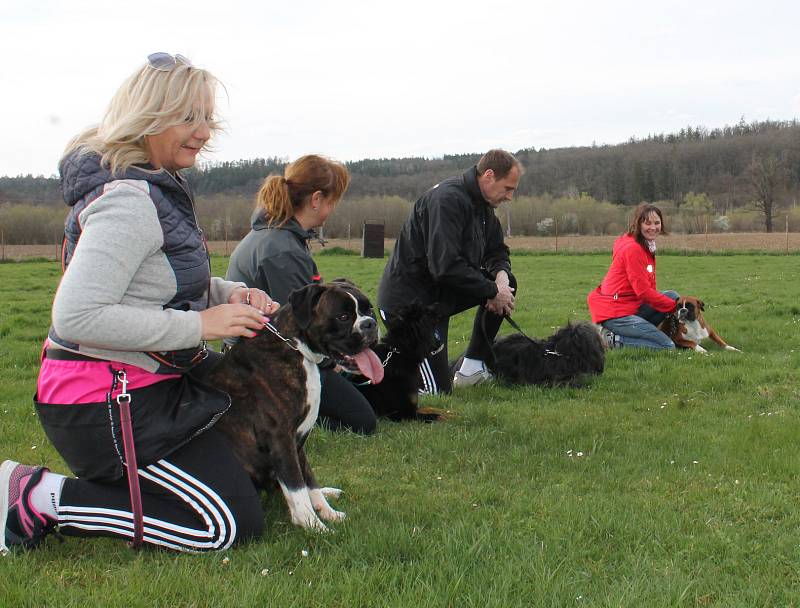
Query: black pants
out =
(435, 371)
(198, 498)
(343, 407)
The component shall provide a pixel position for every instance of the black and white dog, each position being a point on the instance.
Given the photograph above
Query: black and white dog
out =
(408, 341)
(567, 358)
(274, 384)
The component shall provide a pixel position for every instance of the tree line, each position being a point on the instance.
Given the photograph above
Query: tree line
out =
(742, 176)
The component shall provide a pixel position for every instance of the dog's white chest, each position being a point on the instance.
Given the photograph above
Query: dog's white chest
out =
(694, 331)
(313, 393)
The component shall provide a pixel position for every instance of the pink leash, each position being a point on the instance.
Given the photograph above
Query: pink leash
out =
(124, 402)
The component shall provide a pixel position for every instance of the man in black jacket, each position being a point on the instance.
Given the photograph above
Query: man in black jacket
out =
(451, 251)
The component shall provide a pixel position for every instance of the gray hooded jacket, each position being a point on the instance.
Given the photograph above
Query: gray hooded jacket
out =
(136, 265)
(275, 259)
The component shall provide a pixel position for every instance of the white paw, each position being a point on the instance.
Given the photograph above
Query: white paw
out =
(331, 492)
(321, 505)
(700, 350)
(332, 514)
(732, 348)
(309, 522)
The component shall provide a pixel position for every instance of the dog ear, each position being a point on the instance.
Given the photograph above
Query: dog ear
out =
(344, 281)
(701, 304)
(303, 301)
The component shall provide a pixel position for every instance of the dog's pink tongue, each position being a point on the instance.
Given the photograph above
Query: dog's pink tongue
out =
(369, 365)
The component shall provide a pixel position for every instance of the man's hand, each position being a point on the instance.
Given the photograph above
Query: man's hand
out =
(503, 302)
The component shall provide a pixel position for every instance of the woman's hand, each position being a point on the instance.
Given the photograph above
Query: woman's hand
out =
(231, 320)
(255, 297)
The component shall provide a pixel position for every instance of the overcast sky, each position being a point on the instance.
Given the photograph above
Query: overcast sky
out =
(364, 79)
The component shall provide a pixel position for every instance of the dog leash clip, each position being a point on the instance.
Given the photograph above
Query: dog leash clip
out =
(388, 356)
(124, 396)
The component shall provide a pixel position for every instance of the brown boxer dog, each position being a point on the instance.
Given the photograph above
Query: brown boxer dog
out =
(687, 326)
(274, 383)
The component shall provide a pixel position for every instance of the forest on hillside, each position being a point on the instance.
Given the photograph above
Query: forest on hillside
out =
(740, 177)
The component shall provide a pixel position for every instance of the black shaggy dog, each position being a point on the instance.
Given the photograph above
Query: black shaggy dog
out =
(567, 358)
(409, 339)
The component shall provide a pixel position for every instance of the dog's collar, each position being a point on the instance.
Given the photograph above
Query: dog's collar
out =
(307, 354)
(394, 350)
(269, 326)
(389, 356)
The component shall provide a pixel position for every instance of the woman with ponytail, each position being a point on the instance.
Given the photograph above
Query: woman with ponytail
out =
(274, 256)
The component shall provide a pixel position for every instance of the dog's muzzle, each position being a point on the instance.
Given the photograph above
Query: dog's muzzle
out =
(368, 328)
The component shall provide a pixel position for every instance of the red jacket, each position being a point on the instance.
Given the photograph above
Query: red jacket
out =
(629, 283)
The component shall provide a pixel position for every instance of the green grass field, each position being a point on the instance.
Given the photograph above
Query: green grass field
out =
(672, 480)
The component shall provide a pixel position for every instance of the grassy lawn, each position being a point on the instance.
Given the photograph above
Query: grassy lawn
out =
(672, 480)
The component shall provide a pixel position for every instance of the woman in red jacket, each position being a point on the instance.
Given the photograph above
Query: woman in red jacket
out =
(627, 303)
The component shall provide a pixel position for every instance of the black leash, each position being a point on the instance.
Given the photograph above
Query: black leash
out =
(513, 323)
(547, 352)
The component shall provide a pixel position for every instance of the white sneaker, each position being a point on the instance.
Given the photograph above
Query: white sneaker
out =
(482, 375)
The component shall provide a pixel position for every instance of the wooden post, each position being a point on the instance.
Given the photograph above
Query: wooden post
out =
(706, 234)
(555, 224)
(787, 234)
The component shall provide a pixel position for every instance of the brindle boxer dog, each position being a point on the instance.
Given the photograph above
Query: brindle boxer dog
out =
(687, 326)
(274, 383)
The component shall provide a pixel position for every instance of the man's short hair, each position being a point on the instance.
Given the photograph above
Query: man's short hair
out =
(500, 162)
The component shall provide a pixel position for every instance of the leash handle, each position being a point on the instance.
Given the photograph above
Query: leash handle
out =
(124, 403)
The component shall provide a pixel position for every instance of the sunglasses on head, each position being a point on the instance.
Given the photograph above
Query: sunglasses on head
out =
(164, 62)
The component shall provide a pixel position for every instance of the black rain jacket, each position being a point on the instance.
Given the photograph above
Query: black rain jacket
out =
(449, 250)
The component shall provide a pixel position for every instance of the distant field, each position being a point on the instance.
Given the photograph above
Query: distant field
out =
(748, 241)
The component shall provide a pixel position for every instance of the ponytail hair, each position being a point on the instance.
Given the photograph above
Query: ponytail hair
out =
(281, 197)
(274, 198)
